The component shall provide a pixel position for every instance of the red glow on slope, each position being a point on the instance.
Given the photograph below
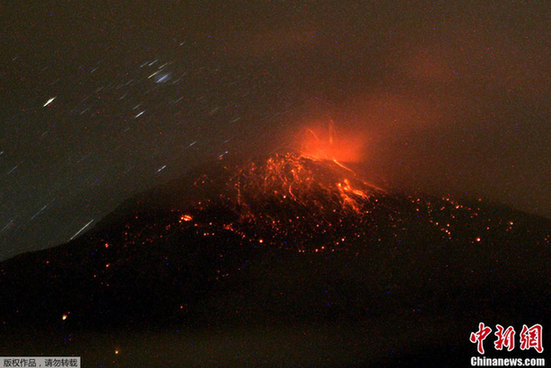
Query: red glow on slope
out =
(323, 186)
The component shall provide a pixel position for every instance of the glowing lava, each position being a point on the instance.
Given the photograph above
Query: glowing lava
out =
(311, 183)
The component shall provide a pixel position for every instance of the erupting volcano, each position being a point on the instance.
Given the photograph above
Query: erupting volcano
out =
(285, 239)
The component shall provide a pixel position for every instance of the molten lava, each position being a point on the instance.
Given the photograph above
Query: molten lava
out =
(312, 183)
(297, 201)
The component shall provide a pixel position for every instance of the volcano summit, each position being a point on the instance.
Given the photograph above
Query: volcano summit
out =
(277, 244)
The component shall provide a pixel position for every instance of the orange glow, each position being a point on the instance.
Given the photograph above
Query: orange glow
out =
(289, 177)
(324, 144)
(349, 195)
(186, 218)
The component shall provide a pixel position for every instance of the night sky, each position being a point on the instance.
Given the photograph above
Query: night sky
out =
(101, 100)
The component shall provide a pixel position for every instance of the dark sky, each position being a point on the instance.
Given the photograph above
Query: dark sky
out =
(103, 99)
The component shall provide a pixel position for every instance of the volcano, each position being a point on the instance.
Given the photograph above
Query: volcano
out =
(295, 249)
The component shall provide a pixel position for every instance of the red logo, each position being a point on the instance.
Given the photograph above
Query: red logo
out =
(530, 337)
(505, 338)
(479, 336)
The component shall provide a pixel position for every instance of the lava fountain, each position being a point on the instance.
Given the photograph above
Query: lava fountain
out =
(324, 144)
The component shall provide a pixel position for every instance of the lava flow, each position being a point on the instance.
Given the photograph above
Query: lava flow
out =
(289, 200)
(312, 183)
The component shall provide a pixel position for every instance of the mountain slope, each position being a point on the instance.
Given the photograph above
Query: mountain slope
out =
(288, 240)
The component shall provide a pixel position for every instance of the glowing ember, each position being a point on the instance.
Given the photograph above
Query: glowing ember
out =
(300, 203)
(186, 218)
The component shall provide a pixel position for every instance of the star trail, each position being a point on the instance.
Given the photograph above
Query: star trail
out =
(103, 101)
